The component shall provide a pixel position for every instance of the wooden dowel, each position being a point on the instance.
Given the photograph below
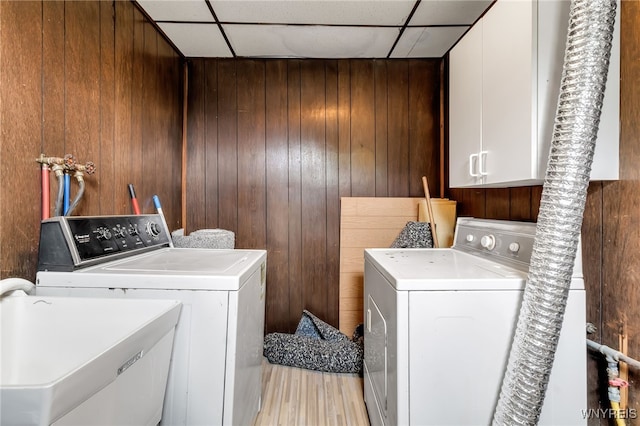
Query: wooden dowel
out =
(432, 221)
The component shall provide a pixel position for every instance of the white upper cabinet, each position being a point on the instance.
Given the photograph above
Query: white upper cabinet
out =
(465, 114)
(504, 83)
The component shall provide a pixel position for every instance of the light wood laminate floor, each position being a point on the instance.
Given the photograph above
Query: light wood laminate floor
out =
(299, 397)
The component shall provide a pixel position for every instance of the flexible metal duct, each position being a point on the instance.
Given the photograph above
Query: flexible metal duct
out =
(564, 193)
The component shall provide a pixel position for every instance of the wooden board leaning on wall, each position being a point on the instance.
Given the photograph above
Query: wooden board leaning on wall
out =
(370, 222)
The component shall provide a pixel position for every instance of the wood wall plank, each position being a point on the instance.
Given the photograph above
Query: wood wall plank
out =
(344, 127)
(363, 129)
(209, 146)
(135, 147)
(313, 185)
(520, 204)
(169, 155)
(381, 99)
(106, 143)
(251, 230)
(151, 174)
(227, 146)
(592, 227)
(295, 283)
(424, 108)
(53, 85)
(497, 202)
(536, 195)
(332, 192)
(82, 94)
(124, 42)
(277, 176)
(398, 128)
(196, 161)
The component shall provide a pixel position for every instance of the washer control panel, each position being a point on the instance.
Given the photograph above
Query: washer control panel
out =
(71, 242)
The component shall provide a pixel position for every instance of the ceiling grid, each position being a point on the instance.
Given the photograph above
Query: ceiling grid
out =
(324, 29)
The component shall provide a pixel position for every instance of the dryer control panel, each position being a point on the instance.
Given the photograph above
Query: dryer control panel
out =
(71, 242)
(506, 242)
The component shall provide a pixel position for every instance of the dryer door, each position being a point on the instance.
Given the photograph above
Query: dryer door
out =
(375, 354)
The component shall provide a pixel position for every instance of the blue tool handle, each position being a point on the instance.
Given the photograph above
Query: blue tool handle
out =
(67, 193)
(156, 202)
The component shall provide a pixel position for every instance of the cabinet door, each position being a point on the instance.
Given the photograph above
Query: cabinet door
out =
(553, 18)
(606, 159)
(508, 87)
(465, 108)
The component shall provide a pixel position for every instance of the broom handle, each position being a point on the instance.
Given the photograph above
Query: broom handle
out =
(432, 221)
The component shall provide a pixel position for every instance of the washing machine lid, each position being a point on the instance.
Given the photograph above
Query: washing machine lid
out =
(185, 261)
(443, 269)
(169, 268)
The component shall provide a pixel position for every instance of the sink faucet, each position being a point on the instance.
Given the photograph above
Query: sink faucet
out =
(9, 285)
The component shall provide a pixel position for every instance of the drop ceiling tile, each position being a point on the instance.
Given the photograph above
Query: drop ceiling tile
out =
(338, 12)
(429, 42)
(177, 10)
(197, 40)
(310, 41)
(449, 12)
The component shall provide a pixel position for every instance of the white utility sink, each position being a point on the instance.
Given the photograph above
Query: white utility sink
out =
(84, 361)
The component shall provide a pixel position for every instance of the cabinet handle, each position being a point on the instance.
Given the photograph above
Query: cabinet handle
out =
(472, 160)
(482, 163)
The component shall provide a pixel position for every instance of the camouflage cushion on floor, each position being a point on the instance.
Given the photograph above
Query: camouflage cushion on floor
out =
(316, 345)
(312, 326)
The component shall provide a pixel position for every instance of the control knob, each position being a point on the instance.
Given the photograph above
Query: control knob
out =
(133, 229)
(103, 233)
(153, 229)
(118, 231)
(488, 242)
(514, 247)
(470, 238)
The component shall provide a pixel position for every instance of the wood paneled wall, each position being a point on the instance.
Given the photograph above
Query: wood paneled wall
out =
(610, 231)
(96, 80)
(274, 144)
(521, 203)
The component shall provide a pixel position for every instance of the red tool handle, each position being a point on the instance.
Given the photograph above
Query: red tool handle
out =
(45, 192)
(136, 208)
(134, 201)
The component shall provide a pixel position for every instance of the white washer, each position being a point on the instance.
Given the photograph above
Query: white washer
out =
(215, 374)
(439, 325)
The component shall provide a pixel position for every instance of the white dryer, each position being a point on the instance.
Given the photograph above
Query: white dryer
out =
(439, 325)
(215, 374)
